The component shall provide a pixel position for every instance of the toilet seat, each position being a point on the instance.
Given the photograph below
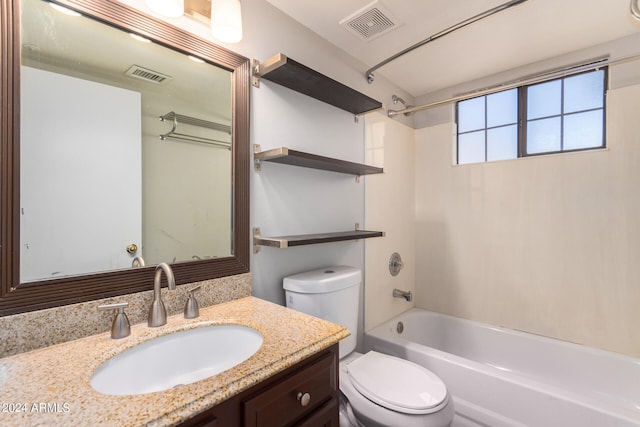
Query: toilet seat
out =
(397, 384)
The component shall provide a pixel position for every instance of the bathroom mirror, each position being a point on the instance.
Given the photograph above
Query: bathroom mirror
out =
(122, 137)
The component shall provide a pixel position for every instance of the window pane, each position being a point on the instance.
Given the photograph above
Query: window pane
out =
(583, 130)
(502, 108)
(560, 115)
(543, 135)
(502, 143)
(544, 100)
(471, 114)
(471, 147)
(584, 91)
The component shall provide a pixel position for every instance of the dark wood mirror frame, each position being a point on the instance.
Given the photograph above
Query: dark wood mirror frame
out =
(16, 297)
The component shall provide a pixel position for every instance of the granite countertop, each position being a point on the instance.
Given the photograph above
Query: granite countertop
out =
(50, 386)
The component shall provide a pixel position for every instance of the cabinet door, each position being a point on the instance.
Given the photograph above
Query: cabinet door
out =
(210, 423)
(326, 416)
(226, 414)
(295, 397)
(203, 420)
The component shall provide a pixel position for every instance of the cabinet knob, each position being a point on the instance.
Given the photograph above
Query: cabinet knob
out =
(304, 398)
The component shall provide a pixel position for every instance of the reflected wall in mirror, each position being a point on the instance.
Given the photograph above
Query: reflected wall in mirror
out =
(98, 164)
(123, 138)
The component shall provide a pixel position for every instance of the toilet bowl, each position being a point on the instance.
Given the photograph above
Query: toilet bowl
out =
(377, 390)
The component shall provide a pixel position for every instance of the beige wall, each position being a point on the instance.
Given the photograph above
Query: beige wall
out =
(388, 207)
(549, 245)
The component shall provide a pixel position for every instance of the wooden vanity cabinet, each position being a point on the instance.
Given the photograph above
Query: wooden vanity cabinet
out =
(306, 394)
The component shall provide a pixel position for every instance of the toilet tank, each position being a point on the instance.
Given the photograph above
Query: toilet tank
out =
(332, 294)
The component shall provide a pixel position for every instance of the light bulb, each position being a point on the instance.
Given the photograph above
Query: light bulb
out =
(168, 8)
(226, 20)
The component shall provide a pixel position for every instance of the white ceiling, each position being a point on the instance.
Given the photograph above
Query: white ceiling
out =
(531, 31)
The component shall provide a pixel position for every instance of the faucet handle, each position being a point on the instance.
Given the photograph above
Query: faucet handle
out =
(121, 327)
(191, 309)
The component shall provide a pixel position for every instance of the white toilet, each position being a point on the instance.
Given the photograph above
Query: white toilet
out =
(377, 389)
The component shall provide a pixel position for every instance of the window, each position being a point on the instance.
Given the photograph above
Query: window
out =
(556, 116)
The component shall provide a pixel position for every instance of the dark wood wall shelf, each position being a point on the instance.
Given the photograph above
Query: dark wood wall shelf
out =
(287, 156)
(286, 72)
(291, 74)
(282, 242)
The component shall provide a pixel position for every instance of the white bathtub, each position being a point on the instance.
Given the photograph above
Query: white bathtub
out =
(500, 377)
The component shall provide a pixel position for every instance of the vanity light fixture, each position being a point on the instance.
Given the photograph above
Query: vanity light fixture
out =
(168, 8)
(226, 20)
(64, 10)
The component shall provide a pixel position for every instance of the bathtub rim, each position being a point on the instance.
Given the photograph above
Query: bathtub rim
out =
(628, 411)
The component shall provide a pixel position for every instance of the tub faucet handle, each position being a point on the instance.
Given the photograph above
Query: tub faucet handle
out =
(395, 264)
(121, 327)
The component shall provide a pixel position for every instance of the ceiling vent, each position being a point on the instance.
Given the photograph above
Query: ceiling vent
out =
(370, 22)
(146, 74)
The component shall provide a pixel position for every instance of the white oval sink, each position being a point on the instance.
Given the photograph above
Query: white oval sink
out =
(178, 358)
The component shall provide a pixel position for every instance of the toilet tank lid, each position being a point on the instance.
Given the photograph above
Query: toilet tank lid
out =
(322, 280)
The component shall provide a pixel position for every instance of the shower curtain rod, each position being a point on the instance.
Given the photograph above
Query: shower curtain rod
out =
(538, 78)
(485, 14)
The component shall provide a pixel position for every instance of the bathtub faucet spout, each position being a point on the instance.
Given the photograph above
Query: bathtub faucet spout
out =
(397, 293)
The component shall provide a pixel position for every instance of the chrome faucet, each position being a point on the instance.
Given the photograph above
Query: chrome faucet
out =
(397, 293)
(157, 312)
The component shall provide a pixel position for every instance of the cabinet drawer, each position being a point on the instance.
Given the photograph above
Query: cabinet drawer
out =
(295, 397)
